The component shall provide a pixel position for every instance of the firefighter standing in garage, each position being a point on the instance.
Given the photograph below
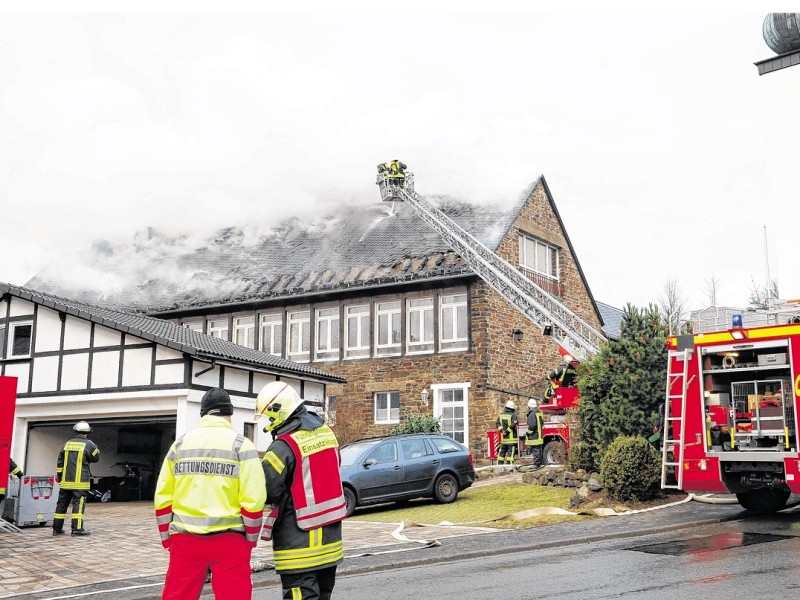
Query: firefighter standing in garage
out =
(14, 470)
(74, 478)
(209, 502)
(305, 499)
(507, 425)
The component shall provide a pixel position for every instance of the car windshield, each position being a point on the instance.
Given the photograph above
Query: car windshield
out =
(445, 445)
(351, 452)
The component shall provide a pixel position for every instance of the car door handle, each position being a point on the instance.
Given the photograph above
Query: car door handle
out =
(397, 467)
(436, 462)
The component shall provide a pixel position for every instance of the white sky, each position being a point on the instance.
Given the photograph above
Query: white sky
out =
(665, 151)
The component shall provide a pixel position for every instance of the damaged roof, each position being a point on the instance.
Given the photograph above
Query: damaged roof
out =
(168, 334)
(359, 246)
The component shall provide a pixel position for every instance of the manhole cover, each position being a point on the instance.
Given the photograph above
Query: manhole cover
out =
(710, 543)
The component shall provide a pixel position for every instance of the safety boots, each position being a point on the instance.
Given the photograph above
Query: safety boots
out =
(81, 532)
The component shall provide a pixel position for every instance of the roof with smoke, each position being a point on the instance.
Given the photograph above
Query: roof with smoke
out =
(167, 334)
(359, 246)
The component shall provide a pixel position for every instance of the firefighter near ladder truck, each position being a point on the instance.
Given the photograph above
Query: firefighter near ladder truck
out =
(730, 417)
(574, 335)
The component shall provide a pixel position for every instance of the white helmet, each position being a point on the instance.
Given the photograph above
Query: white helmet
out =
(568, 359)
(510, 404)
(532, 403)
(82, 427)
(276, 401)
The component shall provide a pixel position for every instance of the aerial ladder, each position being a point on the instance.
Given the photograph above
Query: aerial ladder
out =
(576, 336)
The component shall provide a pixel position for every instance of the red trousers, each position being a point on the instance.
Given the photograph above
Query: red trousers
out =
(226, 554)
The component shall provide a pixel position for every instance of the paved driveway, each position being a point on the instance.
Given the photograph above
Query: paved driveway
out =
(125, 545)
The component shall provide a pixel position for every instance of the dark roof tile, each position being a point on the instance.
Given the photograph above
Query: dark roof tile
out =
(168, 334)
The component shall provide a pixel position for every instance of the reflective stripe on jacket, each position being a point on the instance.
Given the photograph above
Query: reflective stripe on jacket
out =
(507, 424)
(533, 434)
(318, 499)
(211, 481)
(72, 468)
(302, 479)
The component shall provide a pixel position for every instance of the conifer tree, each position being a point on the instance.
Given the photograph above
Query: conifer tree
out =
(624, 384)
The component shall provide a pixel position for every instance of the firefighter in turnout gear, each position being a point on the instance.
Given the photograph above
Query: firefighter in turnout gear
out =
(565, 375)
(395, 172)
(533, 433)
(209, 503)
(305, 499)
(74, 478)
(507, 425)
(14, 470)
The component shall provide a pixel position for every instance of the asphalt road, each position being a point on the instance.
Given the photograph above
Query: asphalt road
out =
(592, 558)
(752, 557)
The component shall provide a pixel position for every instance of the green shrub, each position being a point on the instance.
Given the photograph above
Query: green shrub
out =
(582, 456)
(416, 423)
(629, 468)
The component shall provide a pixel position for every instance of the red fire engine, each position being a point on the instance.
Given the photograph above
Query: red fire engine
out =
(730, 421)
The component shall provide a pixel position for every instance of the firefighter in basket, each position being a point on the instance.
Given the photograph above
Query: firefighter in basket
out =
(305, 498)
(565, 375)
(395, 172)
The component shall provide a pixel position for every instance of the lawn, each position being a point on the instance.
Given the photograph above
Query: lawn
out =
(477, 506)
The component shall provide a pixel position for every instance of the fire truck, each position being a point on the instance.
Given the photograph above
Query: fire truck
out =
(730, 416)
(575, 336)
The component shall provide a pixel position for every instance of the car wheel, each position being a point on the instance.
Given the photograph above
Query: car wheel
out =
(445, 490)
(349, 500)
(555, 453)
(763, 500)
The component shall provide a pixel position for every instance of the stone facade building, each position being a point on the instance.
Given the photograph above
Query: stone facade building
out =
(373, 296)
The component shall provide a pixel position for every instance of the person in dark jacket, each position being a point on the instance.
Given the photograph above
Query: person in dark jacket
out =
(74, 478)
(509, 442)
(305, 498)
(14, 470)
(533, 433)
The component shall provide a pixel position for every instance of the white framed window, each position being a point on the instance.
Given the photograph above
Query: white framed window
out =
(419, 334)
(218, 328)
(20, 336)
(387, 407)
(387, 328)
(357, 331)
(453, 325)
(2, 341)
(272, 334)
(537, 256)
(327, 338)
(244, 331)
(451, 405)
(193, 325)
(299, 348)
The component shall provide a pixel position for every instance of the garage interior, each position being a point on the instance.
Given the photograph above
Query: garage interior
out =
(131, 453)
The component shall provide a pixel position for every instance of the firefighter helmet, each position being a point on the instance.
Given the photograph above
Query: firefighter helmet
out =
(510, 404)
(82, 427)
(568, 359)
(532, 403)
(276, 401)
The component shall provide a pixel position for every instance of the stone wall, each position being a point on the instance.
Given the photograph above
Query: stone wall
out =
(495, 358)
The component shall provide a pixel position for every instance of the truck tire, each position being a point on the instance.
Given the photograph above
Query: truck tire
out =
(764, 500)
(555, 453)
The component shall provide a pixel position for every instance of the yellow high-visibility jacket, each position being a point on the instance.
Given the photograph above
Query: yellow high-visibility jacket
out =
(211, 481)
